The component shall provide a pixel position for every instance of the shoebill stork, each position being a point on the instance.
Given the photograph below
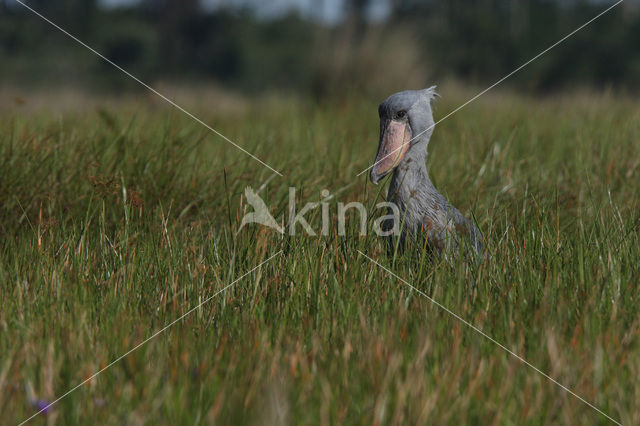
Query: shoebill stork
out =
(406, 125)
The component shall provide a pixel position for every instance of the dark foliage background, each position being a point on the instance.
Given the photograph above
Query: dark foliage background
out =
(475, 42)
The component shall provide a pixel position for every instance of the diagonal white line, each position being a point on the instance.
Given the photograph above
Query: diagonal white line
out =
(476, 329)
(151, 89)
(496, 83)
(162, 330)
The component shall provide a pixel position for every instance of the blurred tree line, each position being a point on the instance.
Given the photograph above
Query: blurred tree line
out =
(473, 41)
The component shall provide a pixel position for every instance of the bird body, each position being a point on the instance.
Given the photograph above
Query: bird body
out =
(406, 125)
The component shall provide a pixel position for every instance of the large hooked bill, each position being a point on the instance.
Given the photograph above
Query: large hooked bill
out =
(393, 146)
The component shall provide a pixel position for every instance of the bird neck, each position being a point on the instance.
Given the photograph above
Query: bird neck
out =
(411, 174)
(418, 200)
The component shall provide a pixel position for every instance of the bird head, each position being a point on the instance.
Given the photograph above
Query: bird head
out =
(406, 123)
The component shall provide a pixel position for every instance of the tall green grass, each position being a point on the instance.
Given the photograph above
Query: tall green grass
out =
(117, 219)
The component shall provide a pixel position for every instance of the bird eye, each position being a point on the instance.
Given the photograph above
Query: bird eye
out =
(400, 115)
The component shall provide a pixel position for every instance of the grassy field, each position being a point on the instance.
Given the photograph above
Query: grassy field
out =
(118, 217)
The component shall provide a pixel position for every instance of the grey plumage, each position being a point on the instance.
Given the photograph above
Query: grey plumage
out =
(425, 213)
